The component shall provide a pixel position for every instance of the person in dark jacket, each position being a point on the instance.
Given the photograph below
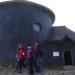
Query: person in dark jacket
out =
(38, 57)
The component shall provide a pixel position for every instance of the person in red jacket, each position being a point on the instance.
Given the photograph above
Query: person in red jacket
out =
(20, 57)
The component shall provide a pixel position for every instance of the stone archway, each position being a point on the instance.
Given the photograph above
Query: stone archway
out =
(67, 58)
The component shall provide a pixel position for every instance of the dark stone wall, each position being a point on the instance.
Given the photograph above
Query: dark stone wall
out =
(61, 48)
(16, 25)
(73, 54)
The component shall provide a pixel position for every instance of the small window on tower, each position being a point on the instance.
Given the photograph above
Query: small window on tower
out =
(37, 27)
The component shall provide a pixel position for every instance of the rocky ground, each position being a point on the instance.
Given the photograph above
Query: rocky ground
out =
(7, 71)
(10, 70)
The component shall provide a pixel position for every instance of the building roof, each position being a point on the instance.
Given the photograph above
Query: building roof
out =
(29, 4)
(60, 32)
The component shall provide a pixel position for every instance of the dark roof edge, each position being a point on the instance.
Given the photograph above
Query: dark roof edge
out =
(52, 15)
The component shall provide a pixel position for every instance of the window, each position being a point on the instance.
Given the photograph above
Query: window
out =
(37, 27)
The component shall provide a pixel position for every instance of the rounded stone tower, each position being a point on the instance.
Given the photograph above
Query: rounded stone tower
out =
(22, 21)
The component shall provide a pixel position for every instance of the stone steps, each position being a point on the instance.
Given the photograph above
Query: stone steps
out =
(69, 67)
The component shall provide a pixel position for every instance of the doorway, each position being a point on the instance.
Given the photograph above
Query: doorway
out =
(67, 58)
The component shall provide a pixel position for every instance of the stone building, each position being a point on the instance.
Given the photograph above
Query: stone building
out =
(24, 21)
(61, 46)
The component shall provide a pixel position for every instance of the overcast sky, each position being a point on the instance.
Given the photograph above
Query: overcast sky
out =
(64, 11)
